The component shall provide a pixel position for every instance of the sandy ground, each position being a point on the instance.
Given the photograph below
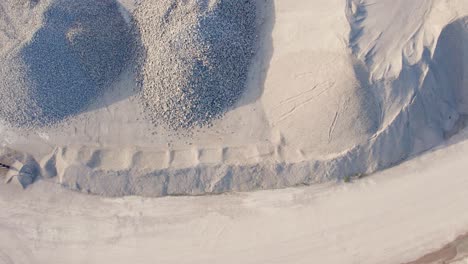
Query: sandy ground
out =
(393, 217)
(455, 252)
(337, 89)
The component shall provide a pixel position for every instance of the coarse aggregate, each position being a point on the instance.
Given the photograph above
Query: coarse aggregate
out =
(77, 50)
(197, 58)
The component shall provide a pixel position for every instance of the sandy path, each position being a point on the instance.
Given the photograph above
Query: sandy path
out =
(455, 252)
(393, 217)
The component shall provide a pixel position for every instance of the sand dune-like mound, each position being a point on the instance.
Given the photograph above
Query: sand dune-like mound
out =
(77, 49)
(198, 55)
(418, 79)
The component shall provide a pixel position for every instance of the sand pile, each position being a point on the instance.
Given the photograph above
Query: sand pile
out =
(197, 58)
(77, 50)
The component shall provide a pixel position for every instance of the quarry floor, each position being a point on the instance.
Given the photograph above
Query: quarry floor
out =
(396, 216)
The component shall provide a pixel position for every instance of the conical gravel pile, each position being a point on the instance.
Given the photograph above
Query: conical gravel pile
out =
(79, 49)
(197, 59)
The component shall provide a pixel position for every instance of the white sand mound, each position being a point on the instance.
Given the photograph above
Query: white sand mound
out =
(328, 95)
(414, 78)
(66, 59)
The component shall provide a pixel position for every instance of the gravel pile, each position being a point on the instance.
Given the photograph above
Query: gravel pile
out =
(197, 56)
(80, 47)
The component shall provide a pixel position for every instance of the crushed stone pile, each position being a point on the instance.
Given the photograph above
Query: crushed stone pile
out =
(197, 56)
(76, 49)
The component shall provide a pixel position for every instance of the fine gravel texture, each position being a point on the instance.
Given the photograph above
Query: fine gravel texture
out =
(197, 58)
(79, 48)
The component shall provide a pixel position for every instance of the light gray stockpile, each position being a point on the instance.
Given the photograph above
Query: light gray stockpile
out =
(197, 56)
(80, 47)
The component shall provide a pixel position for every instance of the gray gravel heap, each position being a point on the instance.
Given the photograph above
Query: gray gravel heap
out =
(198, 53)
(81, 47)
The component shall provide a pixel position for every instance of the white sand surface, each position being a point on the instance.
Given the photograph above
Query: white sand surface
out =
(392, 217)
(336, 90)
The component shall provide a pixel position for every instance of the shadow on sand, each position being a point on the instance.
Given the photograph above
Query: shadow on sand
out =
(261, 61)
